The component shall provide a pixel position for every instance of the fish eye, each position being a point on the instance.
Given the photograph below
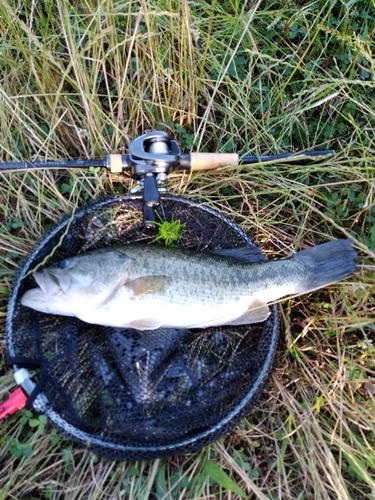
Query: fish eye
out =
(63, 264)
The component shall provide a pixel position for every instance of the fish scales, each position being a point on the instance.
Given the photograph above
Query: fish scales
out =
(210, 277)
(202, 278)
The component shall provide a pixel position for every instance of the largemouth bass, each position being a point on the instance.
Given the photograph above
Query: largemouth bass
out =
(148, 287)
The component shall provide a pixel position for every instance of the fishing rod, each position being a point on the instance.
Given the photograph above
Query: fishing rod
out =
(153, 156)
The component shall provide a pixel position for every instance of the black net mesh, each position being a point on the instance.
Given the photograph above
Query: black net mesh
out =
(127, 394)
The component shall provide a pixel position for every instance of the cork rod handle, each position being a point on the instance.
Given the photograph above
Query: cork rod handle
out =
(210, 161)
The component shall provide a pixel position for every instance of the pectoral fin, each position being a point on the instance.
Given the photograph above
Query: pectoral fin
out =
(147, 285)
(257, 312)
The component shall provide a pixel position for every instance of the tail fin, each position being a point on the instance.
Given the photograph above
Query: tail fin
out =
(326, 263)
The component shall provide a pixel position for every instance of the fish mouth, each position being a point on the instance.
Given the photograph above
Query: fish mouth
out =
(50, 283)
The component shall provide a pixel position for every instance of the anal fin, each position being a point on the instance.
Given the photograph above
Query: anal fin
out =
(146, 324)
(257, 312)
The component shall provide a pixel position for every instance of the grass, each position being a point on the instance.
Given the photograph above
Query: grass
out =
(80, 79)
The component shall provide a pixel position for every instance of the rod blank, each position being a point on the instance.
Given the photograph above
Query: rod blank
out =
(302, 158)
(48, 164)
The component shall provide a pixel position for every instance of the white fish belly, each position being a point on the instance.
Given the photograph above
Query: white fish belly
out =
(149, 313)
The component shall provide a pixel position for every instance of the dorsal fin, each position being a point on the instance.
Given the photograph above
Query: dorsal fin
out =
(248, 253)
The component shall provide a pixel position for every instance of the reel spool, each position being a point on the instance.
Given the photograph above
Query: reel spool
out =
(133, 395)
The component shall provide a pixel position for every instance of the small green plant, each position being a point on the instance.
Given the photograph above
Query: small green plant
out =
(35, 422)
(18, 449)
(55, 439)
(169, 232)
(219, 476)
(94, 170)
(67, 456)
